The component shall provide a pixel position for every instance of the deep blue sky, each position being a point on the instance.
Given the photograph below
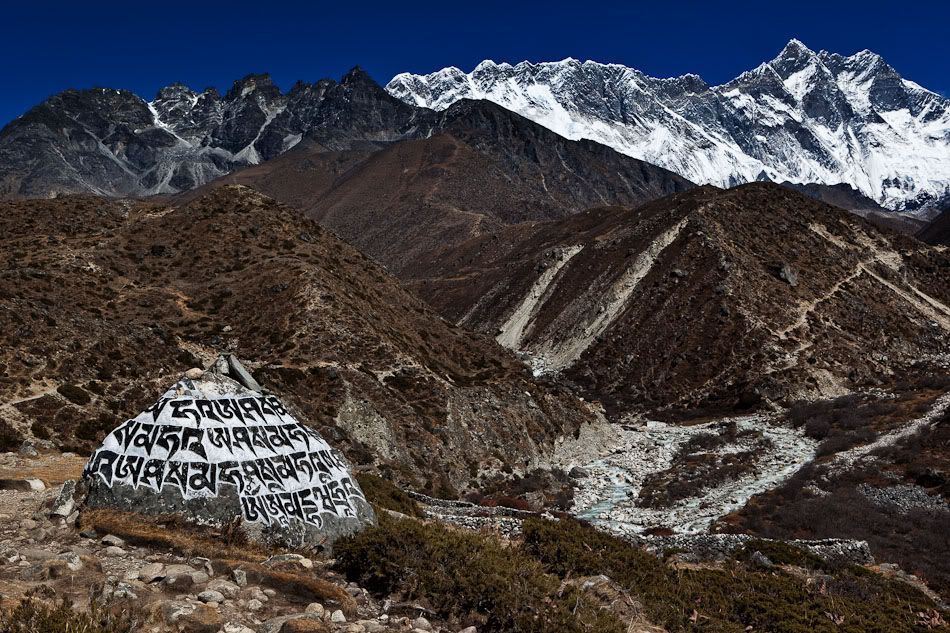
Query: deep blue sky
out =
(47, 46)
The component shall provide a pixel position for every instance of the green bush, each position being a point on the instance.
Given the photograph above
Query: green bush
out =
(467, 577)
(383, 493)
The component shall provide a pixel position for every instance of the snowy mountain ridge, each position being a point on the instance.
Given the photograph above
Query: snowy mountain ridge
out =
(803, 117)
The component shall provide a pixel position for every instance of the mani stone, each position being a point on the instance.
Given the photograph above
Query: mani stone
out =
(218, 449)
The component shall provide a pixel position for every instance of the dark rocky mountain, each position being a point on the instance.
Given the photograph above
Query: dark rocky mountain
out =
(484, 167)
(804, 117)
(847, 197)
(938, 230)
(708, 298)
(112, 142)
(103, 303)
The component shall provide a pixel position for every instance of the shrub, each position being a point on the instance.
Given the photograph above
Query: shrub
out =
(76, 395)
(383, 493)
(10, 438)
(732, 598)
(468, 577)
(35, 617)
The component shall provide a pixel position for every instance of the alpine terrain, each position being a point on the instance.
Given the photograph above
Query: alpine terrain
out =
(803, 117)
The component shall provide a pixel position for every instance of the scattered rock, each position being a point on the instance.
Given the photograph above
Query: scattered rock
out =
(110, 539)
(152, 572)
(240, 577)
(225, 588)
(114, 550)
(203, 619)
(303, 625)
(65, 503)
(316, 609)
(422, 624)
(254, 605)
(787, 274)
(337, 617)
(578, 473)
(209, 595)
(761, 560)
(22, 485)
(194, 373)
(288, 561)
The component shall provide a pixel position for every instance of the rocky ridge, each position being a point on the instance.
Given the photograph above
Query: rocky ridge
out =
(803, 117)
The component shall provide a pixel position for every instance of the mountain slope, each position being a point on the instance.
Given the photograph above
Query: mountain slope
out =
(112, 142)
(707, 298)
(803, 117)
(484, 167)
(103, 303)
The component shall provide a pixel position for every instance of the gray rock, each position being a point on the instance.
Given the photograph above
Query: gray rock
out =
(224, 587)
(337, 617)
(578, 473)
(65, 503)
(110, 539)
(469, 629)
(316, 609)
(422, 624)
(113, 551)
(254, 605)
(788, 274)
(209, 595)
(152, 572)
(240, 577)
(22, 485)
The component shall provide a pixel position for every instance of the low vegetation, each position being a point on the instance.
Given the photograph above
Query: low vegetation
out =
(475, 579)
(32, 616)
(384, 494)
(466, 577)
(815, 504)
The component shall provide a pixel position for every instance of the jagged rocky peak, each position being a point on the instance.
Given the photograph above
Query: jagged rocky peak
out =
(250, 83)
(113, 142)
(801, 117)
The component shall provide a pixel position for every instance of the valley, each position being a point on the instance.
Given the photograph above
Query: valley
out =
(550, 346)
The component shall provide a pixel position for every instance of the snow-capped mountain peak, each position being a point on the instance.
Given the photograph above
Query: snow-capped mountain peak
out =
(804, 117)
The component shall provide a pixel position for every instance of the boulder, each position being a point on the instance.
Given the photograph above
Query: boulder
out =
(219, 450)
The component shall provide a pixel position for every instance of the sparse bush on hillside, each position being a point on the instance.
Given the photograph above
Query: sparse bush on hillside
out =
(31, 616)
(76, 395)
(468, 577)
(10, 439)
(383, 493)
(732, 598)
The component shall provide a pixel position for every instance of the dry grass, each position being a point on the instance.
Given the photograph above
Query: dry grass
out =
(53, 470)
(226, 550)
(172, 533)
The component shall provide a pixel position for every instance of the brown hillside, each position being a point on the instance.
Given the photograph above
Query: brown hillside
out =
(104, 303)
(705, 298)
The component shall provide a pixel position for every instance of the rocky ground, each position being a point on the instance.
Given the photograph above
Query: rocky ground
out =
(53, 557)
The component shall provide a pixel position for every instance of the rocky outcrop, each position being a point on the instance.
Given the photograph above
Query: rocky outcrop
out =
(215, 451)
